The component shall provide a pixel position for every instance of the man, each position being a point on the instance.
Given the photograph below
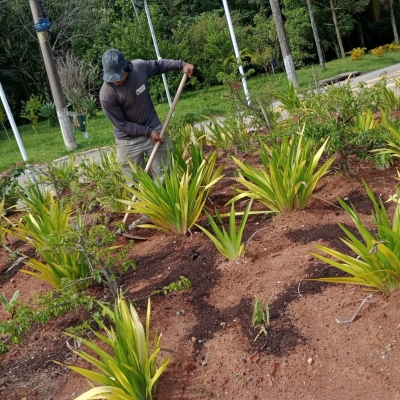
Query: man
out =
(126, 101)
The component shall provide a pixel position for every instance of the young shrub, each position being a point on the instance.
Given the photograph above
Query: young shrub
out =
(30, 110)
(229, 243)
(128, 368)
(288, 177)
(379, 51)
(357, 53)
(260, 318)
(61, 176)
(24, 314)
(106, 180)
(377, 261)
(176, 205)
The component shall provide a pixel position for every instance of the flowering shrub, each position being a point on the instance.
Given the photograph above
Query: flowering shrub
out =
(9, 184)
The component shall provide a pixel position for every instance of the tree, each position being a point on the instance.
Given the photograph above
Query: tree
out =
(316, 35)
(336, 24)
(284, 43)
(375, 5)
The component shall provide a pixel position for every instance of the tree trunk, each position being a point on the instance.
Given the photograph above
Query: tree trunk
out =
(284, 43)
(393, 21)
(360, 31)
(316, 35)
(335, 22)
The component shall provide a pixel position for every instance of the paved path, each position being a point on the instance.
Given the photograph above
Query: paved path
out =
(370, 78)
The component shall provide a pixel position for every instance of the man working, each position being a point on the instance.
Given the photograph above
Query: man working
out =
(126, 101)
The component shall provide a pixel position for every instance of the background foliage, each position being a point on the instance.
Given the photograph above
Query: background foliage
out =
(195, 31)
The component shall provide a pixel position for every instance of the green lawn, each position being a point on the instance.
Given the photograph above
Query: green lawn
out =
(48, 144)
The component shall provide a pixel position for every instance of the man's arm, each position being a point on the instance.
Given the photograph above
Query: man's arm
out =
(158, 67)
(117, 118)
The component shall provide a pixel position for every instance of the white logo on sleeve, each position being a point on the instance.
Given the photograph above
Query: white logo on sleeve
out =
(140, 90)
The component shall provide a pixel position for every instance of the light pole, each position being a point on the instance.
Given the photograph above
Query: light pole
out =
(153, 36)
(236, 50)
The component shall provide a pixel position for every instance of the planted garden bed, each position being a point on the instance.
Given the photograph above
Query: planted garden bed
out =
(239, 297)
(207, 330)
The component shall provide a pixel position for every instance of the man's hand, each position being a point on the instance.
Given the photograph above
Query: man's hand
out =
(188, 69)
(155, 137)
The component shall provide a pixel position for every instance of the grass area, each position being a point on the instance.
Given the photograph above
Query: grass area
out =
(48, 144)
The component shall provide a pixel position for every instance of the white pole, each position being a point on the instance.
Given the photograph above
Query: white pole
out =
(134, 7)
(153, 35)
(15, 129)
(12, 123)
(236, 50)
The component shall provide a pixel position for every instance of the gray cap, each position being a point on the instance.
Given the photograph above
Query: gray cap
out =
(114, 65)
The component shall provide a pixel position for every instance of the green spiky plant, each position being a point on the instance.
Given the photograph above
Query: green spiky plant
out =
(219, 134)
(260, 318)
(176, 205)
(128, 369)
(229, 243)
(288, 177)
(376, 263)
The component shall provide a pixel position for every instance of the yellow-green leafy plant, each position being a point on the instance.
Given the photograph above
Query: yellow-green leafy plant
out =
(218, 134)
(357, 53)
(229, 243)
(2, 227)
(379, 51)
(127, 367)
(59, 266)
(290, 101)
(176, 204)
(393, 47)
(365, 122)
(288, 177)
(376, 263)
(393, 143)
(44, 227)
(47, 218)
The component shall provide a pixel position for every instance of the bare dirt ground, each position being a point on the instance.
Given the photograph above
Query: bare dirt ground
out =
(208, 330)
